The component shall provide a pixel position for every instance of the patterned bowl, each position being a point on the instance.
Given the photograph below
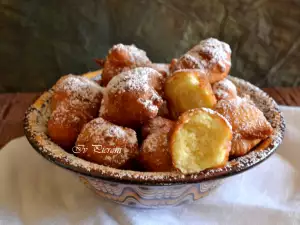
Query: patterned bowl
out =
(149, 189)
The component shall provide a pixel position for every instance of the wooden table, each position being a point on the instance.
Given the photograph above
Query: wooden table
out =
(13, 107)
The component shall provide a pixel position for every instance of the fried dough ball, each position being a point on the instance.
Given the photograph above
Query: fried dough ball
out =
(155, 155)
(249, 124)
(107, 144)
(75, 101)
(76, 87)
(157, 124)
(66, 121)
(211, 56)
(224, 89)
(132, 97)
(188, 89)
(121, 58)
(201, 140)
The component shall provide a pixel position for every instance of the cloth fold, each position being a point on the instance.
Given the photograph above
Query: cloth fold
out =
(35, 191)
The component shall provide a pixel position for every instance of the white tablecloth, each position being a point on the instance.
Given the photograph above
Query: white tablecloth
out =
(34, 191)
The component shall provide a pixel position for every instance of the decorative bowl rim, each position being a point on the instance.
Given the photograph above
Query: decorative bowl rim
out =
(35, 130)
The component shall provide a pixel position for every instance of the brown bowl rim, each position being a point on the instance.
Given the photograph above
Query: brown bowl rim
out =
(37, 137)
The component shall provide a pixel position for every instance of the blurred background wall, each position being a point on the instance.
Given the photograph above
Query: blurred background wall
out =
(43, 40)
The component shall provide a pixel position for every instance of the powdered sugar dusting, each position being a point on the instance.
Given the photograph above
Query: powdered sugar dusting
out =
(192, 61)
(78, 85)
(122, 58)
(157, 124)
(148, 104)
(102, 131)
(63, 115)
(210, 55)
(211, 52)
(245, 118)
(135, 54)
(136, 80)
(155, 154)
(150, 144)
(224, 89)
(133, 80)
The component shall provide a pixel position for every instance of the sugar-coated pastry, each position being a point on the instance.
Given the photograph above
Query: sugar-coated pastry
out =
(107, 144)
(76, 87)
(211, 56)
(66, 121)
(241, 146)
(188, 89)
(132, 97)
(75, 101)
(157, 124)
(120, 58)
(224, 89)
(200, 140)
(245, 118)
(249, 124)
(155, 154)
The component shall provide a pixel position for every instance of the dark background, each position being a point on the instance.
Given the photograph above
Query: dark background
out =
(43, 40)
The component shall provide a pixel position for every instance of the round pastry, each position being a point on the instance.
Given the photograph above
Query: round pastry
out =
(155, 155)
(76, 87)
(107, 144)
(211, 56)
(224, 89)
(157, 124)
(249, 124)
(66, 121)
(120, 58)
(200, 140)
(188, 89)
(132, 97)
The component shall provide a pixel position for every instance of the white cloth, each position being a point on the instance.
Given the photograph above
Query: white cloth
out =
(34, 191)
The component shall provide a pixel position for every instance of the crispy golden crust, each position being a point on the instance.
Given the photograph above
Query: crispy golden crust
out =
(107, 144)
(224, 89)
(132, 97)
(246, 119)
(155, 155)
(241, 146)
(157, 124)
(121, 58)
(210, 56)
(75, 101)
(188, 89)
(249, 125)
(223, 149)
(67, 120)
(71, 87)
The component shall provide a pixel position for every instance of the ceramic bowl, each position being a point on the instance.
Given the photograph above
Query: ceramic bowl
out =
(149, 189)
